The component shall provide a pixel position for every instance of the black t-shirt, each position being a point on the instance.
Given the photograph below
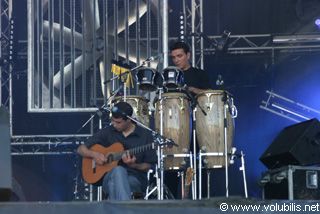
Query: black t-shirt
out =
(193, 77)
(197, 78)
(138, 137)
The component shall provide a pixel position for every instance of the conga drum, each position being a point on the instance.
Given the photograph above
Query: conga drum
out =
(140, 107)
(210, 127)
(176, 126)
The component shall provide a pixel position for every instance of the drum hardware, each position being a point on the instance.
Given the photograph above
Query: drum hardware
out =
(172, 78)
(233, 157)
(194, 141)
(226, 143)
(148, 79)
(182, 162)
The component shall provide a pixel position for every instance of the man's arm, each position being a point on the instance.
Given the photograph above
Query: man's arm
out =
(195, 90)
(131, 162)
(87, 153)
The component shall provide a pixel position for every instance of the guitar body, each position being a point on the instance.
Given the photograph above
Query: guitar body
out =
(93, 172)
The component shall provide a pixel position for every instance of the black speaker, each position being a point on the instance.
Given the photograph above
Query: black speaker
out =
(298, 144)
(5, 156)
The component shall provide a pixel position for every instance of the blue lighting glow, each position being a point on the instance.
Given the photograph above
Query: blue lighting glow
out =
(317, 22)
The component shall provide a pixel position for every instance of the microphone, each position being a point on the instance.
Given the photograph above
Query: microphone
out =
(219, 80)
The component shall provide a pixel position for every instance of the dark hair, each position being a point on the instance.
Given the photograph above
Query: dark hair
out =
(122, 110)
(180, 45)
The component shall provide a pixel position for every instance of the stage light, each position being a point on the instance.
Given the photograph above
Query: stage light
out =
(223, 42)
(182, 28)
(317, 22)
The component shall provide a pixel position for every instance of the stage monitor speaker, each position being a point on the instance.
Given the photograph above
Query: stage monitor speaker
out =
(297, 144)
(5, 156)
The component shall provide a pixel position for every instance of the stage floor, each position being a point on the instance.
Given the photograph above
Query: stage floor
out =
(214, 205)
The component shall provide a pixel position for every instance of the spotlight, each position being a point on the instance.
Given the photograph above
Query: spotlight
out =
(223, 42)
(317, 22)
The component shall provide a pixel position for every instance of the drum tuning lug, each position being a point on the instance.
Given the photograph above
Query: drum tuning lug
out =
(205, 161)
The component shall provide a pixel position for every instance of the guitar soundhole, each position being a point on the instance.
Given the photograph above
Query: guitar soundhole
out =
(110, 158)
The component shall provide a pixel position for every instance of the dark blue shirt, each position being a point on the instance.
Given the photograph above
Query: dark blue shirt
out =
(139, 137)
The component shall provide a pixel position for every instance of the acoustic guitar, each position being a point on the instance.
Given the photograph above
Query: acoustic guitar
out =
(93, 172)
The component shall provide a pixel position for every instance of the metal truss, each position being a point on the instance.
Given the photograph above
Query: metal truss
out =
(5, 74)
(263, 43)
(287, 108)
(46, 144)
(193, 16)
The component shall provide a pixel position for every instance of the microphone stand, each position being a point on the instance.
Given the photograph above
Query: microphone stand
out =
(98, 112)
(194, 101)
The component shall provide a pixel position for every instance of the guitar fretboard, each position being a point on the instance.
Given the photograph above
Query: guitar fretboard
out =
(117, 156)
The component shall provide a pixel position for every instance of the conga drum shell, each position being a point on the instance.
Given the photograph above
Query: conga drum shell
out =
(140, 107)
(176, 126)
(210, 127)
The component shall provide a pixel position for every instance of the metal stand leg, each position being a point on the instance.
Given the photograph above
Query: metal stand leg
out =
(99, 193)
(182, 183)
(194, 183)
(91, 192)
(200, 175)
(194, 187)
(226, 148)
(243, 169)
(208, 184)
(160, 178)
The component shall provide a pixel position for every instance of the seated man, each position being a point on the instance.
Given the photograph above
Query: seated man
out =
(131, 173)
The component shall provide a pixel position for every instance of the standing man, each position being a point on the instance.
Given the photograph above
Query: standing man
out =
(196, 79)
(131, 173)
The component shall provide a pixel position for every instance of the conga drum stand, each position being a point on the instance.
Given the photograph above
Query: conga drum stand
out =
(218, 154)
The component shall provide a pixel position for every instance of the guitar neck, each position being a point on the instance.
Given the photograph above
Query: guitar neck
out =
(134, 151)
